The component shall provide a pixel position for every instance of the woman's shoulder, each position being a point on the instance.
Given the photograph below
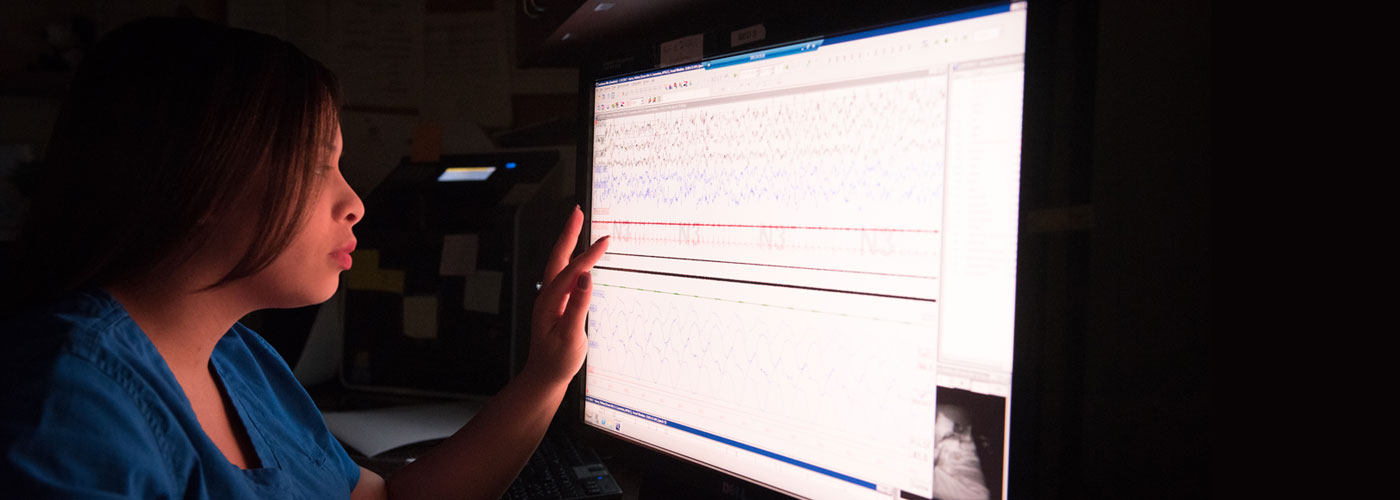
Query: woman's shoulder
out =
(66, 377)
(85, 334)
(78, 314)
(88, 325)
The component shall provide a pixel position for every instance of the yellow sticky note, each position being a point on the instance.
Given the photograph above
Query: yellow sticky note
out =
(365, 259)
(365, 274)
(365, 269)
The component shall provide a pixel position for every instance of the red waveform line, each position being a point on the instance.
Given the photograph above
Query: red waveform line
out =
(759, 264)
(712, 243)
(761, 226)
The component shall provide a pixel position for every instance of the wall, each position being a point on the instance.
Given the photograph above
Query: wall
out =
(445, 70)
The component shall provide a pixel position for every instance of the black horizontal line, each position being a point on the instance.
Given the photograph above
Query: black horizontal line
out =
(760, 283)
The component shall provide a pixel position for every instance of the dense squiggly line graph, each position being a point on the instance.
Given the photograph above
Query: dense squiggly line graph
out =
(802, 366)
(845, 178)
(866, 151)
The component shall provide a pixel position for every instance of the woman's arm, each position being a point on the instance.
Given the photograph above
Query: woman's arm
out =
(482, 458)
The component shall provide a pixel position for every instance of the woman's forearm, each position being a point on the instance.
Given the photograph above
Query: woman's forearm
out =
(482, 458)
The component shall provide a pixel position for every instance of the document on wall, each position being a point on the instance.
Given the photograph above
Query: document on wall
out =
(377, 51)
(467, 67)
(374, 145)
(264, 16)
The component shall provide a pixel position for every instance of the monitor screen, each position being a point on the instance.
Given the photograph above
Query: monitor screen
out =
(812, 272)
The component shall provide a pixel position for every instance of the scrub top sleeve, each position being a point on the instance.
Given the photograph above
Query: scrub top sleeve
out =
(52, 450)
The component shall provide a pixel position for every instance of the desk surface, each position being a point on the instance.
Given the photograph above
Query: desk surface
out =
(625, 468)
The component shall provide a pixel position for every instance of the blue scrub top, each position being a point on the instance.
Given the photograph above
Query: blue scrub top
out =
(91, 410)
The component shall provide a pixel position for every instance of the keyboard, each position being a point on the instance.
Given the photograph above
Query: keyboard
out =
(563, 470)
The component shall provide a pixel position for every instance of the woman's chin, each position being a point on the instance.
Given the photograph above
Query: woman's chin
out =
(322, 295)
(304, 297)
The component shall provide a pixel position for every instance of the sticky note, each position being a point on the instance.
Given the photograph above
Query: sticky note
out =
(365, 259)
(420, 316)
(483, 292)
(365, 274)
(458, 254)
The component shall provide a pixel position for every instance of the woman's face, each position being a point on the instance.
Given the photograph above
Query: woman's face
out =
(308, 271)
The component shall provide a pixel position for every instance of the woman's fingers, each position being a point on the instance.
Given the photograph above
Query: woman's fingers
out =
(577, 310)
(551, 300)
(559, 354)
(564, 247)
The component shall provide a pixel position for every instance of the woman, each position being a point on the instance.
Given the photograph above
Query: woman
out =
(192, 179)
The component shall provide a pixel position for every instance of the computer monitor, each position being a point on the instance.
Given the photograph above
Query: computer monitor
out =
(811, 277)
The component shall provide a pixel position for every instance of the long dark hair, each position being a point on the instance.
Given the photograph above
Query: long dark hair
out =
(167, 122)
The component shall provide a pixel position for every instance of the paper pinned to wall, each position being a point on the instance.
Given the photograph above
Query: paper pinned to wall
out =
(264, 16)
(377, 51)
(420, 316)
(483, 292)
(466, 67)
(751, 34)
(458, 254)
(683, 50)
(375, 143)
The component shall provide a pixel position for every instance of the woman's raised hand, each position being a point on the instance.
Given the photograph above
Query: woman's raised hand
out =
(557, 342)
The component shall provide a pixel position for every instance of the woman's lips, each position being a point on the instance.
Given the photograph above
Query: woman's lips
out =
(343, 258)
(342, 255)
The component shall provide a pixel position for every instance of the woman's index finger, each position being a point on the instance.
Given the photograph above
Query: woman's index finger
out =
(555, 294)
(564, 247)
